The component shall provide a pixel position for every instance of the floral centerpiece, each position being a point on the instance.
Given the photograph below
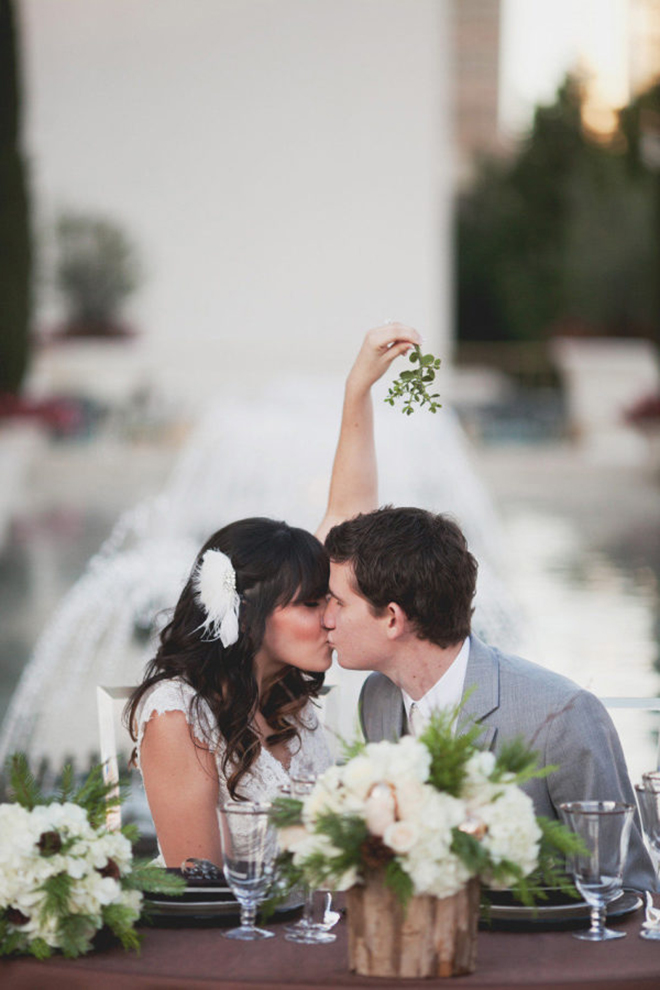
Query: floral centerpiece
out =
(63, 874)
(422, 820)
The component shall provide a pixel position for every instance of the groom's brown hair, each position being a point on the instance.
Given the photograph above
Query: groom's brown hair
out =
(418, 559)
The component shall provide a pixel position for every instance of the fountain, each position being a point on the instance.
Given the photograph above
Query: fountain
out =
(266, 456)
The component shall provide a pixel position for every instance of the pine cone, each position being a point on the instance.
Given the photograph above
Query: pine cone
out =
(16, 917)
(375, 854)
(49, 843)
(110, 870)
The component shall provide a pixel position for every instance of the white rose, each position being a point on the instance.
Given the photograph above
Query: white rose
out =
(401, 836)
(411, 796)
(379, 809)
(289, 838)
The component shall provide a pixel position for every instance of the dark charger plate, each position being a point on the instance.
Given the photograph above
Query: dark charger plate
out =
(558, 912)
(202, 900)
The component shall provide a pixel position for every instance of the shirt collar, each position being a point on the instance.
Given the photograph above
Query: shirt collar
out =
(447, 691)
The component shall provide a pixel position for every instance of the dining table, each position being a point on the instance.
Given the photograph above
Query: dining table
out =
(188, 957)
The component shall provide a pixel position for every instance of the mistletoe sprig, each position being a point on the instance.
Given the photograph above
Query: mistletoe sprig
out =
(411, 386)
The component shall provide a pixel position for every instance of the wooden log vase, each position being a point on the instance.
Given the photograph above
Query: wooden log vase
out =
(433, 937)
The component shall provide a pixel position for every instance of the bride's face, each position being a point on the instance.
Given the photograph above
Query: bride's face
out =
(295, 636)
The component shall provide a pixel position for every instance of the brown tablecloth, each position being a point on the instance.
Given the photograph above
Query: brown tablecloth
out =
(200, 958)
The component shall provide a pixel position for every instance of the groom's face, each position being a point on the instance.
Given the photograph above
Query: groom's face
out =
(357, 635)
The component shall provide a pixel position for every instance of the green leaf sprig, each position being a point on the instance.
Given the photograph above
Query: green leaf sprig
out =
(411, 386)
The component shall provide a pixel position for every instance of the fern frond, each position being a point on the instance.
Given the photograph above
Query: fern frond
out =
(23, 787)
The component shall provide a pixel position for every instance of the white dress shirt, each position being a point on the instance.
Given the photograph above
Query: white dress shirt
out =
(445, 693)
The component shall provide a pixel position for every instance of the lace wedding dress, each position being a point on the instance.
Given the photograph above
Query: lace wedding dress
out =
(309, 754)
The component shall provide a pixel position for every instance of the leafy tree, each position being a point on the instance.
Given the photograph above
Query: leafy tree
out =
(561, 234)
(15, 247)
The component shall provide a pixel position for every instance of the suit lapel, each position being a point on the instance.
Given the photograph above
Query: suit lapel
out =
(482, 688)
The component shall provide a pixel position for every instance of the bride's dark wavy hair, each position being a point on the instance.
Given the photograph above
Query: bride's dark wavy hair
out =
(275, 564)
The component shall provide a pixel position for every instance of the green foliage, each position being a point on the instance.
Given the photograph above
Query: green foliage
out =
(67, 784)
(58, 891)
(470, 851)
(22, 785)
(534, 234)
(517, 762)
(15, 244)
(287, 878)
(10, 941)
(75, 932)
(399, 882)
(449, 752)
(37, 948)
(411, 386)
(346, 833)
(153, 879)
(286, 811)
(557, 843)
(96, 269)
(131, 832)
(96, 797)
(119, 920)
(350, 750)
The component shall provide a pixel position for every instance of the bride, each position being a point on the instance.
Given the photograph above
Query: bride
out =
(225, 710)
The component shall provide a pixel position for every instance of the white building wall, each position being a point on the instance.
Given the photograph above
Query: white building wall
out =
(284, 166)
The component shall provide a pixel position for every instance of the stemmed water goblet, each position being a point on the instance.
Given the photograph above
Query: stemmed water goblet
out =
(648, 798)
(249, 848)
(306, 930)
(604, 828)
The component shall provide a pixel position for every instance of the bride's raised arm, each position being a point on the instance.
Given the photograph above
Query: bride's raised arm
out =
(354, 481)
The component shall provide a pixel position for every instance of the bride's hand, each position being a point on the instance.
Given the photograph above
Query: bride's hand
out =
(380, 347)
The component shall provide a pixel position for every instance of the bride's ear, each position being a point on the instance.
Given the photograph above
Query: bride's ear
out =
(397, 621)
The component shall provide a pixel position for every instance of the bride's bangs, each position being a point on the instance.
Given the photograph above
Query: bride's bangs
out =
(306, 572)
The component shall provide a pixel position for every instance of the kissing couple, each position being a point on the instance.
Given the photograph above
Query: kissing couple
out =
(226, 712)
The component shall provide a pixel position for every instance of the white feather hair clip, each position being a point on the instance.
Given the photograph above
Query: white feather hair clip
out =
(215, 590)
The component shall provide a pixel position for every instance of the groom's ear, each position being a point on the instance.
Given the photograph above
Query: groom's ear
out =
(397, 621)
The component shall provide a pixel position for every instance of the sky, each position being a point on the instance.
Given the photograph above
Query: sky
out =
(543, 39)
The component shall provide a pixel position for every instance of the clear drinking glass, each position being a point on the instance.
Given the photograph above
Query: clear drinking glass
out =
(249, 848)
(604, 827)
(648, 798)
(306, 930)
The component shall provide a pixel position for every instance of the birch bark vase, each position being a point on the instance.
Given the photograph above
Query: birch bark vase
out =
(434, 937)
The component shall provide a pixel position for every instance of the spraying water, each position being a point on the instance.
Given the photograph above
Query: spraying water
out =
(270, 456)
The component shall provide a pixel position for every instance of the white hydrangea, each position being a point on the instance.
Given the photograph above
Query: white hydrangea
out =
(24, 869)
(512, 832)
(404, 760)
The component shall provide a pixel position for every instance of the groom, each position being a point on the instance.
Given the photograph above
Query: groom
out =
(402, 581)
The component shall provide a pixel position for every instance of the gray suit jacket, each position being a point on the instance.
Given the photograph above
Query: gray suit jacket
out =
(565, 724)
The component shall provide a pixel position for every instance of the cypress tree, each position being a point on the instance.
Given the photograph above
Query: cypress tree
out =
(15, 246)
